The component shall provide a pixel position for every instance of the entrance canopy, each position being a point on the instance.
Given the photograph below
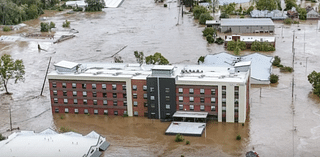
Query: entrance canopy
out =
(188, 114)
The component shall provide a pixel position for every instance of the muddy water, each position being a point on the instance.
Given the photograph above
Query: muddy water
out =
(151, 28)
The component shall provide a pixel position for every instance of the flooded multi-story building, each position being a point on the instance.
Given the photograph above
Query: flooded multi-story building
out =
(153, 91)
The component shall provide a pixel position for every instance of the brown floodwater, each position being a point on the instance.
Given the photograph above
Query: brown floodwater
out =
(277, 125)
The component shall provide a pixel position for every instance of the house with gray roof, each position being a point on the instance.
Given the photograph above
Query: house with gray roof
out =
(274, 14)
(261, 65)
(312, 15)
(247, 25)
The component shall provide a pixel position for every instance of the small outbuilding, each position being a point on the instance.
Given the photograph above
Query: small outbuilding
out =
(312, 15)
(249, 25)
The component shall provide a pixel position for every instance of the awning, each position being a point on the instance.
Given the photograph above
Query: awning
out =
(189, 114)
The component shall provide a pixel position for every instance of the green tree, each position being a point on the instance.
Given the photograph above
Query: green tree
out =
(208, 31)
(210, 39)
(139, 57)
(314, 79)
(290, 4)
(201, 59)
(204, 17)
(94, 5)
(198, 10)
(44, 27)
(267, 4)
(261, 46)
(274, 78)
(66, 24)
(52, 25)
(250, 9)
(224, 15)
(10, 69)
(32, 12)
(302, 13)
(157, 58)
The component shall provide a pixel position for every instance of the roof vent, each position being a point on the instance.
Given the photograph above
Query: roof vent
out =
(97, 73)
(202, 76)
(182, 71)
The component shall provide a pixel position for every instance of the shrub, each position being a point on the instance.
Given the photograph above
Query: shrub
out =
(262, 46)
(187, 142)
(125, 115)
(286, 69)
(165, 5)
(6, 29)
(61, 117)
(204, 17)
(52, 25)
(219, 41)
(241, 16)
(249, 10)
(274, 78)
(179, 138)
(65, 129)
(287, 21)
(296, 22)
(238, 137)
(224, 15)
(2, 137)
(198, 10)
(60, 9)
(77, 9)
(201, 59)
(210, 39)
(276, 61)
(44, 27)
(66, 24)
(208, 31)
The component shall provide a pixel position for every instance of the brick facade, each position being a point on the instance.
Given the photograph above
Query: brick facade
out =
(139, 100)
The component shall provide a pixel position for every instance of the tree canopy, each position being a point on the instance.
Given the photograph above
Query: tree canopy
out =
(10, 69)
(157, 58)
(198, 10)
(290, 4)
(236, 46)
(268, 4)
(314, 79)
(94, 5)
(139, 57)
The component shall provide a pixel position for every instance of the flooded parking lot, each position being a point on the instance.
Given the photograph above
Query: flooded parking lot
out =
(277, 124)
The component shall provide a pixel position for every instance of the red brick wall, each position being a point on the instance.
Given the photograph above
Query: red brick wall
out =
(140, 99)
(207, 98)
(90, 106)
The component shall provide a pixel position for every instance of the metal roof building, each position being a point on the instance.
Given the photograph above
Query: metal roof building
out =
(274, 15)
(249, 25)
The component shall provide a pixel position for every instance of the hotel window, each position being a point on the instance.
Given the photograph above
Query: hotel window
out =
(167, 98)
(151, 97)
(202, 99)
(213, 100)
(105, 112)
(54, 84)
(95, 111)
(84, 86)
(213, 91)
(66, 110)
(74, 93)
(64, 85)
(104, 86)
(145, 88)
(191, 91)
(135, 113)
(85, 111)
(168, 114)
(167, 106)
(114, 95)
(191, 107)
(191, 99)
(94, 86)
(236, 92)
(95, 102)
(55, 100)
(114, 87)
(64, 93)
(115, 103)
(153, 105)
(65, 101)
(224, 100)
(74, 85)
(55, 93)
(75, 101)
(236, 109)
(124, 95)
(56, 110)
(213, 108)
(201, 91)
(76, 110)
(85, 101)
(124, 103)
(135, 103)
(145, 96)
(180, 107)
(167, 90)
(84, 93)
(151, 89)
(202, 107)
(115, 112)
(105, 102)
(224, 88)
(124, 87)
(104, 95)
(135, 95)
(223, 108)
(134, 87)
(181, 98)
(145, 104)
(94, 94)
(180, 90)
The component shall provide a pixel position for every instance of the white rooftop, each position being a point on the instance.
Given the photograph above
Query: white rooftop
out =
(113, 3)
(253, 38)
(66, 64)
(260, 64)
(48, 143)
(186, 128)
(189, 114)
(163, 67)
(247, 22)
(211, 22)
